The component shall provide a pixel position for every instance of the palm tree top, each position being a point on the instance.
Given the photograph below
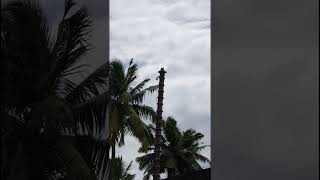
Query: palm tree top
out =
(180, 150)
(47, 103)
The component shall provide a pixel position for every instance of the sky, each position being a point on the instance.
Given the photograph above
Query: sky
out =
(171, 34)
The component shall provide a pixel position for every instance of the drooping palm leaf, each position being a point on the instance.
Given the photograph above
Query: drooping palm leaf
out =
(71, 44)
(139, 87)
(94, 151)
(89, 87)
(92, 114)
(139, 96)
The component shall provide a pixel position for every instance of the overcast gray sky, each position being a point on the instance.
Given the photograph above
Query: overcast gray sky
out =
(173, 34)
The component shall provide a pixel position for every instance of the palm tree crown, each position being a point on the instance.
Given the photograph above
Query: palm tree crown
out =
(180, 151)
(127, 108)
(44, 112)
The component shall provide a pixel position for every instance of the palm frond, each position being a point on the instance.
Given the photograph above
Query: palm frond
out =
(128, 167)
(119, 171)
(137, 126)
(139, 87)
(95, 152)
(145, 111)
(117, 78)
(138, 97)
(90, 86)
(201, 158)
(131, 73)
(171, 132)
(145, 160)
(26, 47)
(72, 41)
(191, 137)
(67, 6)
(92, 114)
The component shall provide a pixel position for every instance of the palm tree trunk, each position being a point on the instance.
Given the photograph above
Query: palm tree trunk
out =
(157, 151)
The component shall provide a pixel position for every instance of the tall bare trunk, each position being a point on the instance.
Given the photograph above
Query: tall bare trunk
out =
(156, 173)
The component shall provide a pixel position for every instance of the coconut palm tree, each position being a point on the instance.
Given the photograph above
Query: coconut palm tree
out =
(50, 123)
(180, 151)
(120, 171)
(127, 108)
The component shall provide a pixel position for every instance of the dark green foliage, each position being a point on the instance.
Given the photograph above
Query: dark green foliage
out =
(120, 171)
(127, 109)
(48, 118)
(180, 151)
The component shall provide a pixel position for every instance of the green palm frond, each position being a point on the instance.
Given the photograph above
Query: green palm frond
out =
(171, 131)
(90, 86)
(135, 124)
(67, 6)
(117, 81)
(138, 97)
(95, 152)
(139, 87)
(72, 42)
(128, 176)
(191, 136)
(91, 115)
(120, 171)
(131, 73)
(201, 158)
(145, 160)
(144, 111)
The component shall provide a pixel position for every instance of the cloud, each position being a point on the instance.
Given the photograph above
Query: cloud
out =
(174, 35)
